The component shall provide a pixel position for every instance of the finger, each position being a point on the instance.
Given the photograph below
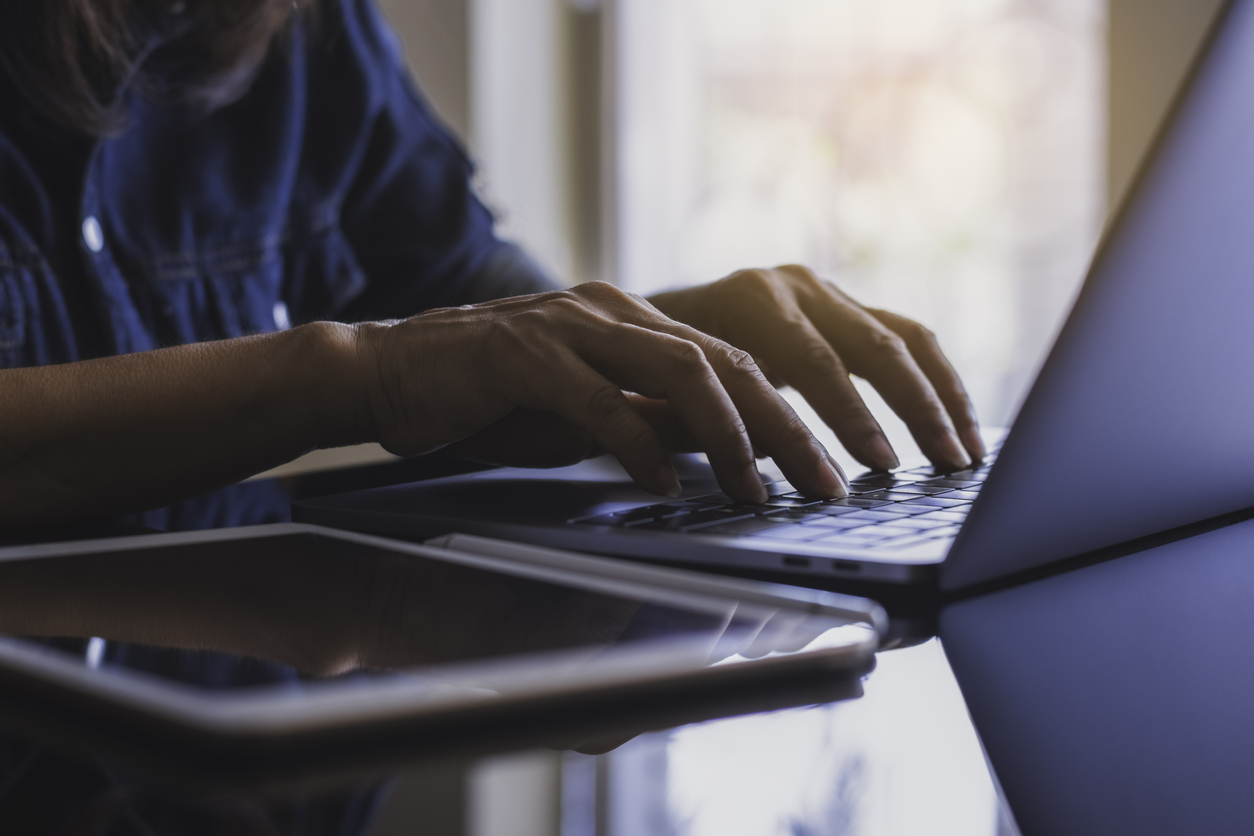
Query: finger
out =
(927, 353)
(675, 436)
(811, 366)
(874, 352)
(660, 365)
(774, 426)
(666, 423)
(568, 386)
(771, 423)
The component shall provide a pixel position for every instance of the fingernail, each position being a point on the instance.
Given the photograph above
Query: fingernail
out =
(668, 481)
(831, 481)
(752, 482)
(882, 454)
(954, 454)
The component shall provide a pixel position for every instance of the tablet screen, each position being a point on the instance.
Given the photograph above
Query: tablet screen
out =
(297, 607)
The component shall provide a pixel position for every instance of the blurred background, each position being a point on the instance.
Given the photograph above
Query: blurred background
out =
(953, 160)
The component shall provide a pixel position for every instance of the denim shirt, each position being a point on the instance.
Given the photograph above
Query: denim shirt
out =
(327, 191)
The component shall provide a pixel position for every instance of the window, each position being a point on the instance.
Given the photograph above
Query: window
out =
(941, 159)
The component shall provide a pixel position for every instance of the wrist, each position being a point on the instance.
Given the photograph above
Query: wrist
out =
(338, 366)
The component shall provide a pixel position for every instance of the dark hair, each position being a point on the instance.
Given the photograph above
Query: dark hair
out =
(72, 60)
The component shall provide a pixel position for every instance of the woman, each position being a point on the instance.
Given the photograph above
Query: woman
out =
(180, 180)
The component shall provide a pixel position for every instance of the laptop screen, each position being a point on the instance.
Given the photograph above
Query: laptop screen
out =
(1140, 420)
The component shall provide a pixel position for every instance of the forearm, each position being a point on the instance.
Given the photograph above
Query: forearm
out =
(118, 434)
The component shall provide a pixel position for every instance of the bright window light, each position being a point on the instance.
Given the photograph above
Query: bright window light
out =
(941, 158)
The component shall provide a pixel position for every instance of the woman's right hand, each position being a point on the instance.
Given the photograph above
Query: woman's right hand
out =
(443, 375)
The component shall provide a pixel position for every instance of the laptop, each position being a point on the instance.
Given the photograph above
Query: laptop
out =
(1141, 420)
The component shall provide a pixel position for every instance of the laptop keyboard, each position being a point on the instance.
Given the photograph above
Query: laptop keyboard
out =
(884, 510)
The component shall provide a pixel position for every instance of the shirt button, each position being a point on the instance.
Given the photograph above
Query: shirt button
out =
(93, 235)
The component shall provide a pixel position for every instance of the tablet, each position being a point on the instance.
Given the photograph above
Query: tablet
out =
(260, 653)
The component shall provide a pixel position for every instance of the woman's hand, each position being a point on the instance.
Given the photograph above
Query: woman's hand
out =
(441, 376)
(804, 332)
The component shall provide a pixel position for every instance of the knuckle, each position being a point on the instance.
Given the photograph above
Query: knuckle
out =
(554, 297)
(883, 344)
(752, 281)
(689, 357)
(566, 307)
(602, 291)
(802, 273)
(505, 334)
(921, 332)
(739, 361)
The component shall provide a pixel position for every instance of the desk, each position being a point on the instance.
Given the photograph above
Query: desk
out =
(1114, 698)
(903, 759)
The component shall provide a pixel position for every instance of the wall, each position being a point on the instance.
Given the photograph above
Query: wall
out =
(1151, 43)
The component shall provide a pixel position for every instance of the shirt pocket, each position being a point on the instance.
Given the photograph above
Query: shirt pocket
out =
(305, 273)
(214, 292)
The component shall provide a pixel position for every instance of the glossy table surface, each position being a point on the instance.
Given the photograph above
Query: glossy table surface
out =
(901, 759)
(1111, 698)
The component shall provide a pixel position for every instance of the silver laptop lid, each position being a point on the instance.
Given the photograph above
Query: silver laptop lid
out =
(1142, 418)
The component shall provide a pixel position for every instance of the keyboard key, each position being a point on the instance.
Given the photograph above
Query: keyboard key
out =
(920, 523)
(874, 516)
(797, 516)
(906, 509)
(920, 490)
(879, 480)
(829, 510)
(789, 502)
(945, 516)
(889, 496)
(889, 530)
(960, 484)
(899, 509)
(844, 522)
(856, 502)
(740, 528)
(969, 496)
(696, 520)
(635, 515)
(936, 501)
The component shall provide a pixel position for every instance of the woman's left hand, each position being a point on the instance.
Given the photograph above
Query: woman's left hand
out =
(805, 332)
